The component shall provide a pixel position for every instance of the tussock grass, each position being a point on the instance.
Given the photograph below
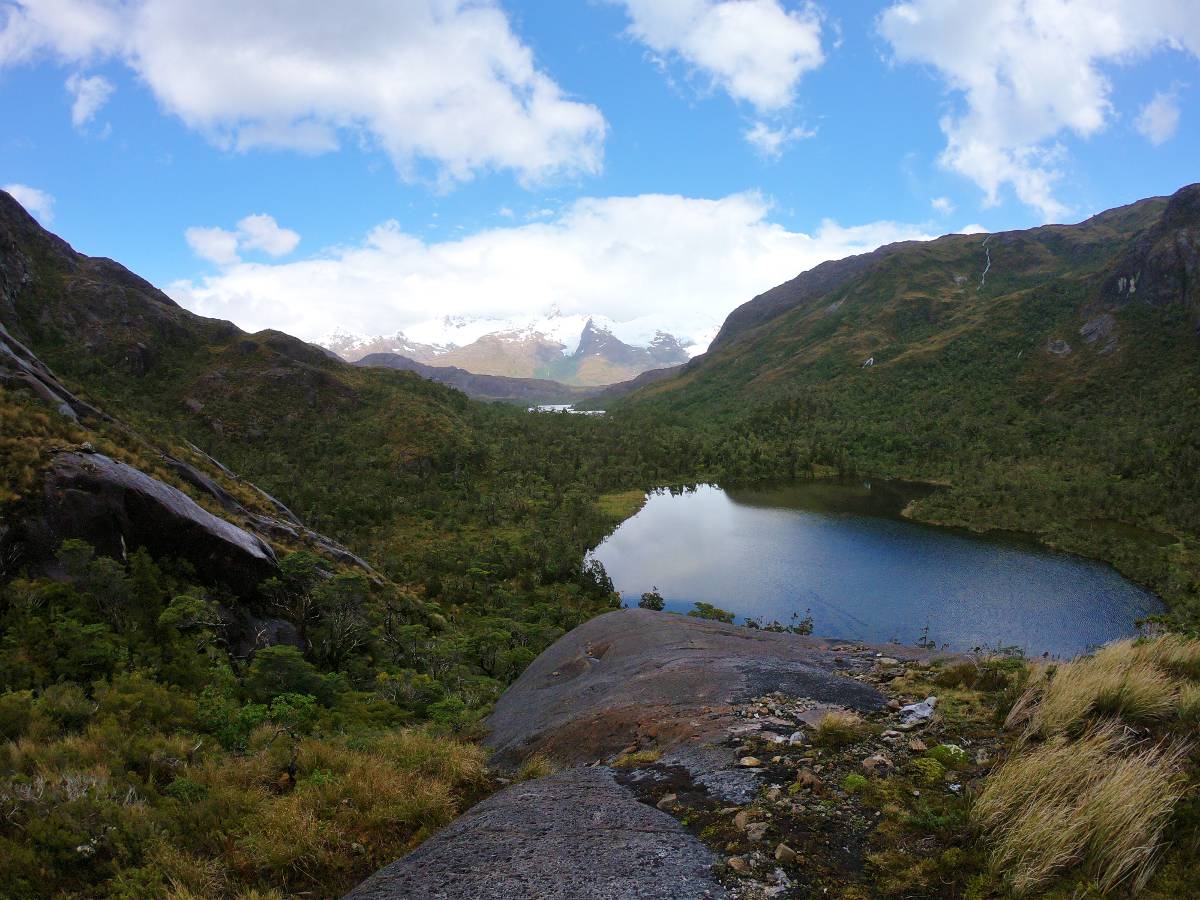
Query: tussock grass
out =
(1084, 802)
(837, 729)
(1138, 682)
(1189, 704)
(637, 758)
(536, 766)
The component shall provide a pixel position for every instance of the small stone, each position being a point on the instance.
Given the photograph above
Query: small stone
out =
(916, 745)
(666, 802)
(982, 757)
(742, 820)
(796, 739)
(757, 831)
(955, 788)
(774, 794)
(918, 712)
(786, 855)
(738, 864)
(749, 762)
(776, 759)
(877, 763)
(887, 661)
(894, 705)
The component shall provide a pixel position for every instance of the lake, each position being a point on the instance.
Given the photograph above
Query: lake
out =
(844, 553)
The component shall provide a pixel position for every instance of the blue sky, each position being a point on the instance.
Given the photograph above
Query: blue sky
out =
(419, 159)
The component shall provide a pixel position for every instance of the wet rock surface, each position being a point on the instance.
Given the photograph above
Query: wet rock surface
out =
(576, 834)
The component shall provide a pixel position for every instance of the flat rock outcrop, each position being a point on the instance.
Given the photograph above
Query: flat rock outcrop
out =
(686, 692)
(636, 676)
(576, 835)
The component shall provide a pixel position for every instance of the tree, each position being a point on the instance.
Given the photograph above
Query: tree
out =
(708, 611)
(652, 599)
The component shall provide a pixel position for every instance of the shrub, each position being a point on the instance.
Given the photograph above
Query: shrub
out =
(16, 709)
(708, 611)
(65, 705)
(282, 669)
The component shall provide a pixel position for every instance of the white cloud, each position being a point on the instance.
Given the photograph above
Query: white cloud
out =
(254, 232)
(754, 50)
(216, 245)
(445, 82)
(1159, 119)
(598, 256)
(262, 232)
(37, 203)
(1029, 71)
(943, 206)
(90, 96)
(973, 228)
(770, 142)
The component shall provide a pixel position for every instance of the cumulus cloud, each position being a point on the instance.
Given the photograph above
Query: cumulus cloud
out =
(441, 82)
(255, 232)
(754, 50)
(37, 203)
(597, 257)
(1159, 119)
(90, 95)
(943, 206)
(771, 142)
(1027, 72)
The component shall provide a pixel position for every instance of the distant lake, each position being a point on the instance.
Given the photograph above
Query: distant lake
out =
(844, 553)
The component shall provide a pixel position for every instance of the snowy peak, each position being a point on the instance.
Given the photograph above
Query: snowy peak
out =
(583, 350)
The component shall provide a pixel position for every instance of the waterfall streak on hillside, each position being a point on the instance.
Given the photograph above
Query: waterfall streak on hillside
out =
(986, 268)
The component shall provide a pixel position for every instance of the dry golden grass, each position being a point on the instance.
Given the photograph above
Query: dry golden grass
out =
(536, 766)
(1189, 704)
(837, 729)
(1084, 802)
(1138, 682)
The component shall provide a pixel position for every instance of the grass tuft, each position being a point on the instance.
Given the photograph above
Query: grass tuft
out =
(838, 729)
(1082, 802)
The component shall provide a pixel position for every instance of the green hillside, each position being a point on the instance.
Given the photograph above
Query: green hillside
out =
(1059, 395)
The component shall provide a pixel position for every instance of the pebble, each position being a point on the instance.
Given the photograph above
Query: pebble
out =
(738, 864)
(876, 763)
(749, 762)
(918, 712)
(757, 831)
(796, 739)
(666, 802)
(916, 745)
(894, 705)
(786, 855)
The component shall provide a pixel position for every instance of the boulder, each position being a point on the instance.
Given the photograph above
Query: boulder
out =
(665, 678)
(118, 508)
(576, 835)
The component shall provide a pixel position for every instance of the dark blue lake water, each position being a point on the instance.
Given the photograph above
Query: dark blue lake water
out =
(843, 553)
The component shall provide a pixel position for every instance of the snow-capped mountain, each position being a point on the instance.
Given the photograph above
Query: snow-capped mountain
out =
(573, 349)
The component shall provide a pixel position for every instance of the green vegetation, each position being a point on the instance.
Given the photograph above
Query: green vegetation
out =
(143, 752)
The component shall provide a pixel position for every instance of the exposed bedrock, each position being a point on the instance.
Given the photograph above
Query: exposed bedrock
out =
(631, 679)
(576, 835)
(636, 675)
(118, 508)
